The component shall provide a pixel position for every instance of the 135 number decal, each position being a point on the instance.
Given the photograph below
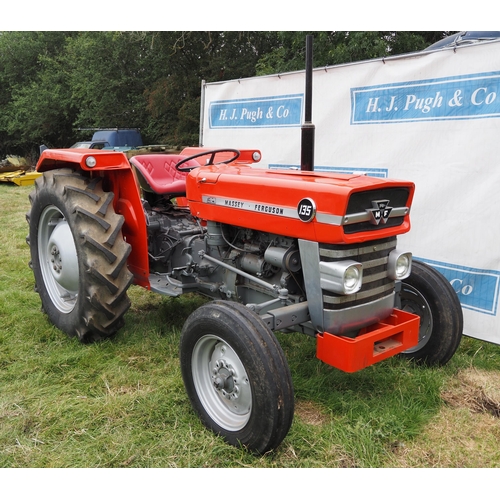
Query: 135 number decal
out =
(306, 209)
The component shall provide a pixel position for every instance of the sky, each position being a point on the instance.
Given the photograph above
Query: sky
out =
(426, 15)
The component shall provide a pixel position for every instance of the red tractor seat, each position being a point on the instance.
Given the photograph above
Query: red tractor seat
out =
(157, 173)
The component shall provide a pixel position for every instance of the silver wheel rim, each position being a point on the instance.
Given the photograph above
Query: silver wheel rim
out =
(222, 383)
(413, 301)
(58, 259)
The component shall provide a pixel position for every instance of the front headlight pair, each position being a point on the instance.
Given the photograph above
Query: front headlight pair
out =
(346, 277)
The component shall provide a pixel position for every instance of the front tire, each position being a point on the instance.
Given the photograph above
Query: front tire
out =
(427, 293)
(78, 255)
(236, 376)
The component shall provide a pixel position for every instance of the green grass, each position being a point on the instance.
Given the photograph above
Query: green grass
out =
(121, 403)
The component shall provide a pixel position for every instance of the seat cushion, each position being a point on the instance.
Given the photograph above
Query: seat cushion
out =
(157, 173)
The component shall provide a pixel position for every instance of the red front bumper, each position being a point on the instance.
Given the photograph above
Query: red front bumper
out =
(375, 343)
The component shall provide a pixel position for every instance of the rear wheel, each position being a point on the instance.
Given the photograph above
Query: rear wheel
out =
(78, 255)
(427, 293)
(236, 376)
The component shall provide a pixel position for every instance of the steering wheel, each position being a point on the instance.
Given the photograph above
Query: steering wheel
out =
(212, 154)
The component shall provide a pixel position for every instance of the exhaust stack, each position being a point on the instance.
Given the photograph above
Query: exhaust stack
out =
(307, 146)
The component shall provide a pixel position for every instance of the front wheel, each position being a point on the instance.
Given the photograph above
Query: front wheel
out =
(427, 293)
(236, 376)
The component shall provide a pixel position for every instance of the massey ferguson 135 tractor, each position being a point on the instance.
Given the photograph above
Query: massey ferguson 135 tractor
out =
(304, 251)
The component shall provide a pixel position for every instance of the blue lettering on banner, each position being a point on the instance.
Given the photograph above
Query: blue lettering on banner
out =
(452, 98)
(477, 289)
(371, 172)
(261, 112)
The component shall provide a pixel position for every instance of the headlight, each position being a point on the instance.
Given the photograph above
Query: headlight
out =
(90, 161)
(399, 265)
(344, 277)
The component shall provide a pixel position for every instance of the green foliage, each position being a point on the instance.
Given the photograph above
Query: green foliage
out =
(339, 47)
(35, 101)
(54, 83)
(104, 69)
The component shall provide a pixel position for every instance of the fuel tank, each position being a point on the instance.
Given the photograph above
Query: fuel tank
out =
(318, 206)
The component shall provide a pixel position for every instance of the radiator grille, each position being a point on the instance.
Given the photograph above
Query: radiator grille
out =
(360, 202)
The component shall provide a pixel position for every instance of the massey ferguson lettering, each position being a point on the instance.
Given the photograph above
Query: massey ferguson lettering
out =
(253, 206)
(234, 203)
(268, 209)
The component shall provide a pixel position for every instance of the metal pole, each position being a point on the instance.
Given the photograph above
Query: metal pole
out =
(307, 147)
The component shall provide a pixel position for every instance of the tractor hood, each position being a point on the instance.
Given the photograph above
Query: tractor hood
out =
(319, 206)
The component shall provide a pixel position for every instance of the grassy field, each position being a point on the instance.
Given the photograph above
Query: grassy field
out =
(121, 403)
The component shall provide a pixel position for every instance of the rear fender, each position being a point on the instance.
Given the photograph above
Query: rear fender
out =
(118, 177)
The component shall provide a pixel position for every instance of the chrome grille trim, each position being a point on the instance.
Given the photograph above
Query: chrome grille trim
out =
(365, 216)
(343, 299)
(363, 249)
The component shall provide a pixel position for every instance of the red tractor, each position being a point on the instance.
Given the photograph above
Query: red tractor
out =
(305, 251)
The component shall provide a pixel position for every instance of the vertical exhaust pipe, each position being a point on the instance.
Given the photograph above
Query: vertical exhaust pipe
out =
(307, 145)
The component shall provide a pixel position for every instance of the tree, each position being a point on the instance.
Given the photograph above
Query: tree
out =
(182, 60)
(54, 83)
(339, 47)
(107, 76)
(35, 101)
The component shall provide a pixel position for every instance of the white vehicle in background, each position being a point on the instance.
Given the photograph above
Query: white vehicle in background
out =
(464, 38)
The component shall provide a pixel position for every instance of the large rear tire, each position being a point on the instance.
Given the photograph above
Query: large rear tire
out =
(427, 293)
(236, 376)
(78, 255)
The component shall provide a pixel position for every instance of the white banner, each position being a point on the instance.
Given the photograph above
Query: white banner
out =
(429, 117)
